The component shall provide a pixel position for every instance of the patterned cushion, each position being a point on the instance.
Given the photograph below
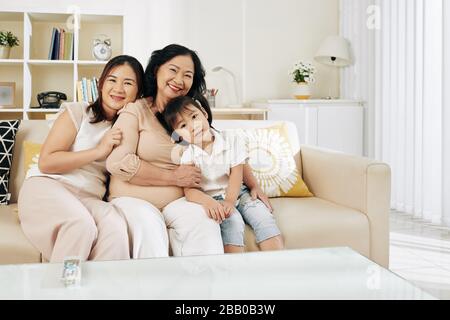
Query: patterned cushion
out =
(272, 162)
(8, 130)
(31, 151)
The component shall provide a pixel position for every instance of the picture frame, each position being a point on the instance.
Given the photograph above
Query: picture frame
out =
(7, 94)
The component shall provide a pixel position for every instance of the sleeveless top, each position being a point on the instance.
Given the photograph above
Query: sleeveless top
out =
(91, 178)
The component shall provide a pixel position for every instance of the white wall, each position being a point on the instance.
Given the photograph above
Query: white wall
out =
(259, 40)
(278, 34)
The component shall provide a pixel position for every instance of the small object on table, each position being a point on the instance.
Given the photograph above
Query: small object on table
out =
(211, 97)
(71, 276)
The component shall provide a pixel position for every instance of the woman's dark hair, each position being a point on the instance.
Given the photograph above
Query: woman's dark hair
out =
(96, 106)
(160, 57)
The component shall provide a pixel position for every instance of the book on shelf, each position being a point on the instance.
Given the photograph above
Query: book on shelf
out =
(55, 51)
(68, 46)
(61, 45)
(52, 43)
(87, 90)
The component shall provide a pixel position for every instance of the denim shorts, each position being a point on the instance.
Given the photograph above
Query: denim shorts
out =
(251, 212)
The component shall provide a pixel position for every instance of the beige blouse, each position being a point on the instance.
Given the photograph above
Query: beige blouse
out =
(143, 139)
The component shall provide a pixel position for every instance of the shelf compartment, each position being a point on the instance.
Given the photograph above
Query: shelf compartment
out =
(13, 73)
(89, 71)
(93, 25)
(51, 77)
(42, 25)
(13, 21)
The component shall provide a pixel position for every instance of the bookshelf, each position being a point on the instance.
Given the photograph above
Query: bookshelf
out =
(30, 68)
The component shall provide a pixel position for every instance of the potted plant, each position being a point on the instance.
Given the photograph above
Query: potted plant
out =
(302, 75)
(7, 41)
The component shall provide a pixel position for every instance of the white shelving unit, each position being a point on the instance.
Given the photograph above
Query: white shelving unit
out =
(29, 68)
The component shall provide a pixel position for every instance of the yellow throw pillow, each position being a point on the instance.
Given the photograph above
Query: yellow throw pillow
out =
(31, 151)
(270, 156)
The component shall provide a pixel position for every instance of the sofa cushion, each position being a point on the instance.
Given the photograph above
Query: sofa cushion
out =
(31, 153)
(14, 246)
(8, 130)
(255, 124)
(271, 158)
(30, 130)
(313, 222)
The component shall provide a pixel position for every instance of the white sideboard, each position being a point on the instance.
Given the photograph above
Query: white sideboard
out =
(332, 124)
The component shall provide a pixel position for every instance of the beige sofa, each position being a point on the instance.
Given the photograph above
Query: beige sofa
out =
(350, 207)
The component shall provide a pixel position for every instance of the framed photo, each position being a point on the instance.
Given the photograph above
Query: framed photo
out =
(7, 94)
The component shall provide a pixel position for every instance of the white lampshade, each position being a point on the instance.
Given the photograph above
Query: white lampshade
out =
(334, 51)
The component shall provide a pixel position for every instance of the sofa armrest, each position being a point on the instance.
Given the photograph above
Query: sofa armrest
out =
(356, 182)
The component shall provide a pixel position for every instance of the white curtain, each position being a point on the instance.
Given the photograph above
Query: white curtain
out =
(401, 71)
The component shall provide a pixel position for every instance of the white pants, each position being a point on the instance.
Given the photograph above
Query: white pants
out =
(191, 231)
(146, 228)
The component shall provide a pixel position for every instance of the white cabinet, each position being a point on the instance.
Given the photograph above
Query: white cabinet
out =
(332, 124)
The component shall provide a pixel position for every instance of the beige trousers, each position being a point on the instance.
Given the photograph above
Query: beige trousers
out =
(61, 220)
(191, 231)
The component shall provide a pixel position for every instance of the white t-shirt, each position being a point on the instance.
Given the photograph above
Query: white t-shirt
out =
(90, 178)
(228, 151)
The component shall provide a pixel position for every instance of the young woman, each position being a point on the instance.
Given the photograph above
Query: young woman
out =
(60, 203)
(221, 158)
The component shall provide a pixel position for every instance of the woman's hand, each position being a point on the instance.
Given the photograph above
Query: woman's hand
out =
(215, 210)
(188, 176)
(256, 193)
(111, 138)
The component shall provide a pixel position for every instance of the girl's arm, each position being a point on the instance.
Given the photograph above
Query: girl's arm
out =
(55, 157)
(234, 184)
(212, 207)
(126, 165)
(248, 177)
(198, 196)
(255, 190)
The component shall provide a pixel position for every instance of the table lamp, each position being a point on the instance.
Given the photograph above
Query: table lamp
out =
(236, 89)
(334, 51)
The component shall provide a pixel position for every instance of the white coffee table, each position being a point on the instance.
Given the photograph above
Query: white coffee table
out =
(328, 273)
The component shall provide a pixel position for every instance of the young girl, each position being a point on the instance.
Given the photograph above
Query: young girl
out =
(220, 158)
(60, 203)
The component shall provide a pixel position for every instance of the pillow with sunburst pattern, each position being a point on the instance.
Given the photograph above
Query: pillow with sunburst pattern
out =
(31, 151)
(270, 156)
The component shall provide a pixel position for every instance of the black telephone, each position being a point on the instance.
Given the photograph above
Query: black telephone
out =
(50, 99)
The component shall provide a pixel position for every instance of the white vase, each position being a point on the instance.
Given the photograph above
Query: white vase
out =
(302, 90)
(4, 52)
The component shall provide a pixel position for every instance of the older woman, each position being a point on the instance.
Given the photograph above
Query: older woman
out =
(144, 178)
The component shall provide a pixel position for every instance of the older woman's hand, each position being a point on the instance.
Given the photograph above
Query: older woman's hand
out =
(188, 176)
(256, 192)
